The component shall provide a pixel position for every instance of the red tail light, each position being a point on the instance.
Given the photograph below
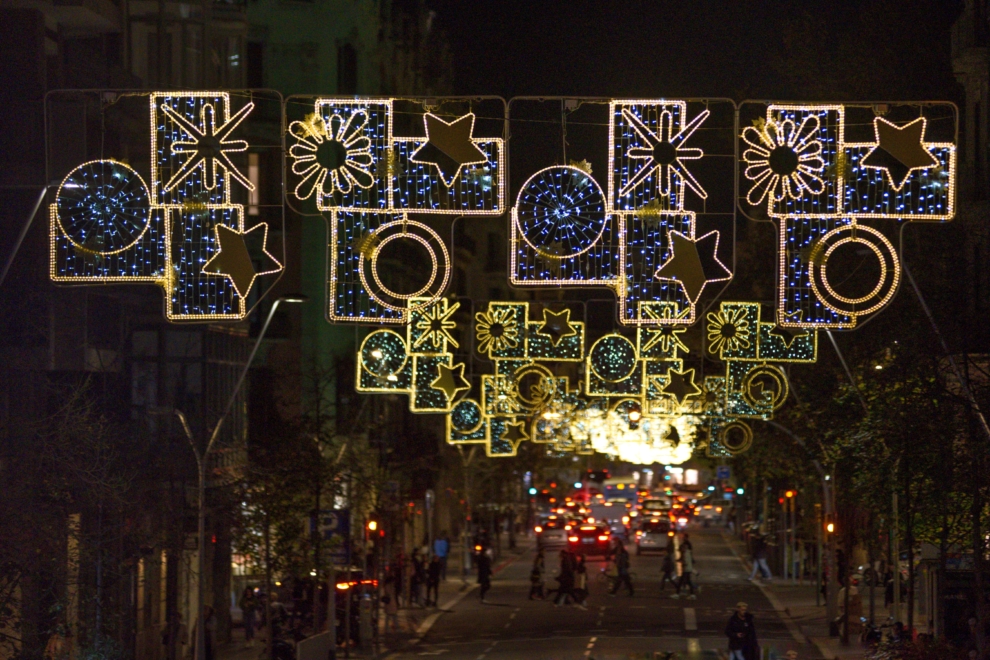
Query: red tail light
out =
(603, 537)
(572, 539)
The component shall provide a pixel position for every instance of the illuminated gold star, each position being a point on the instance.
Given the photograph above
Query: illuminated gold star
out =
(436, 324)
(450, 380)
(786, 333)
(207, 145)
(681, 385)
(514, 433)
(233, 260)
(449, 147)
(899, 150)
(557, 325)
(693, 262)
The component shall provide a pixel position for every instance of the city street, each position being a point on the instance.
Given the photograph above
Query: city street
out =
(511, 626)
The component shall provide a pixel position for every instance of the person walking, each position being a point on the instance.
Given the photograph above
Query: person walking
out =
(580, 592)
(687, 569)
(249, 607)
(565, 579)
(417, 579)
(742, 635)
(669, 569)
(391, 602)
(441, 548)
(484, 574)
(537, 576)
(622, 565)
(760, 559)
(433, 581)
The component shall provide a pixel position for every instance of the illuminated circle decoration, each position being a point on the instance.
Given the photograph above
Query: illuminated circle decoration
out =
(383, 353)
(560, 212)
(406, 229)
(613, 358)
(466, 416)
(103, 207)
(755, 389)
(534, 394)
(890, 269)
(736, 437)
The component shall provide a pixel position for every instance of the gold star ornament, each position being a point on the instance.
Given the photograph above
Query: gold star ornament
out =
(233, 260)
(899, 150)
(681, 385)
(693, 263)
(450, 380)
(557, 325)
(449, 146)
(514, 433)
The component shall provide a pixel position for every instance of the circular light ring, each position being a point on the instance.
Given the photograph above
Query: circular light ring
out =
(466, 416)
(736, 447)
(612, 358)
(393, 353)
(547, 382)
(774, 373)
(560, 205)
(890, 270)
(623, 407)
(103, 207)
(439, 255)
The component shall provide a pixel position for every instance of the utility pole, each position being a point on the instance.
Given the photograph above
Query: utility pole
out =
(895, 560)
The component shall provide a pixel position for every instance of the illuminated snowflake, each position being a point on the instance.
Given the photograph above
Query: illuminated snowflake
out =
(728, 329)
(783, 161)
(331, 156)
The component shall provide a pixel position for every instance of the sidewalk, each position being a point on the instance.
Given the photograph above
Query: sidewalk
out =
(797, 603)
(414, 622)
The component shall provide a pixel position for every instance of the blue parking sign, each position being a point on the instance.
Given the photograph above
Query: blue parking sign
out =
(722, 472)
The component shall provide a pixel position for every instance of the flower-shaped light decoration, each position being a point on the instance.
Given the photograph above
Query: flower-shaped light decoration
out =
(496, 330)
(783, 160)
(331, 156)
(728, 329)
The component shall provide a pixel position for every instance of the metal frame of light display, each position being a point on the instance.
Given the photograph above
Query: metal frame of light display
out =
(375, 187)
(178, 227)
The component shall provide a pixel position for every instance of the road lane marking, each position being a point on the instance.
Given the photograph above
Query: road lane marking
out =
(694, 645)
(591, 645)
(690, 620)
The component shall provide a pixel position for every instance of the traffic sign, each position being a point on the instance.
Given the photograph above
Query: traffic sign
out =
(334, 525)
(722, 472)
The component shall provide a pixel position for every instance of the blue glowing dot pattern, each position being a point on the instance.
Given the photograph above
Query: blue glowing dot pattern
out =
(561, 212)
(646, 239)
(164, 233)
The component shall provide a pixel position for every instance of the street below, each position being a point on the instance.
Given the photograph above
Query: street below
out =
(510, 625)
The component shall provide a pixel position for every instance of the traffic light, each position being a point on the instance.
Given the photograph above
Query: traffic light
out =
(372, 525)
(740, 491)
(790, 493)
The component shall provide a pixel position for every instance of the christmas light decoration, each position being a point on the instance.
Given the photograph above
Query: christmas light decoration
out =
(366, 181)
(182, 232)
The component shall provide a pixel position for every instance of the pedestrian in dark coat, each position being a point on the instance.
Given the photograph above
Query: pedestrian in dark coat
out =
(484, 574)
(742, 635)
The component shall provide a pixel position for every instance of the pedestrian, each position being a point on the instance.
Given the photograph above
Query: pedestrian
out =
(433, 581)
(249, 606)
(391, 602)
(669, 569)
(622, 565)
(760, 559)
(418, 578)
(441, 548)
(565, 579)
(742, 635)
(484, 574)
(687, 569)
(580, 584)
(536, 576)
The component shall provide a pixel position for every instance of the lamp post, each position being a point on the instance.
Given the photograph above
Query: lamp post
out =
(201, 462)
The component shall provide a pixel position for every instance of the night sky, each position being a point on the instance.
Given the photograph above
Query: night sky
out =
(841, 49)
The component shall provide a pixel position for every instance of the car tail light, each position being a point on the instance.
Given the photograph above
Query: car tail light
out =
(538, 529)
(603, 537)
(683, 521)
(567, 527)
(639, 533)
(572, 539)
(625, 520)
(670, 533)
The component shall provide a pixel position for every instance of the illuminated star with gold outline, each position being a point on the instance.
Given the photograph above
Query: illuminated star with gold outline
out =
(900, 148)
(557, 326)
(693, 262)
(450, 380)
(681, 385)
(232, 258)
(664, 153)
(514, 433)
(208, 146)
(448, 145)
(785, 330)
(436, 325)
(666, 335)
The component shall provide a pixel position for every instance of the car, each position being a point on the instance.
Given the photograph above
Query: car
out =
(552, 531)
(653, 535)
(590, 540)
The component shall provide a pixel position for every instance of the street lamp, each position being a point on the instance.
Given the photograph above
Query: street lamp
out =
(201, 469)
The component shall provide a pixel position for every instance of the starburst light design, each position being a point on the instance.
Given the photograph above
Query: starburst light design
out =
(728, 329)
(496, 330)
(664, 152)
(783, 161)
(208, 146)
(331, 156)
(436, 325)
(664, 334)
